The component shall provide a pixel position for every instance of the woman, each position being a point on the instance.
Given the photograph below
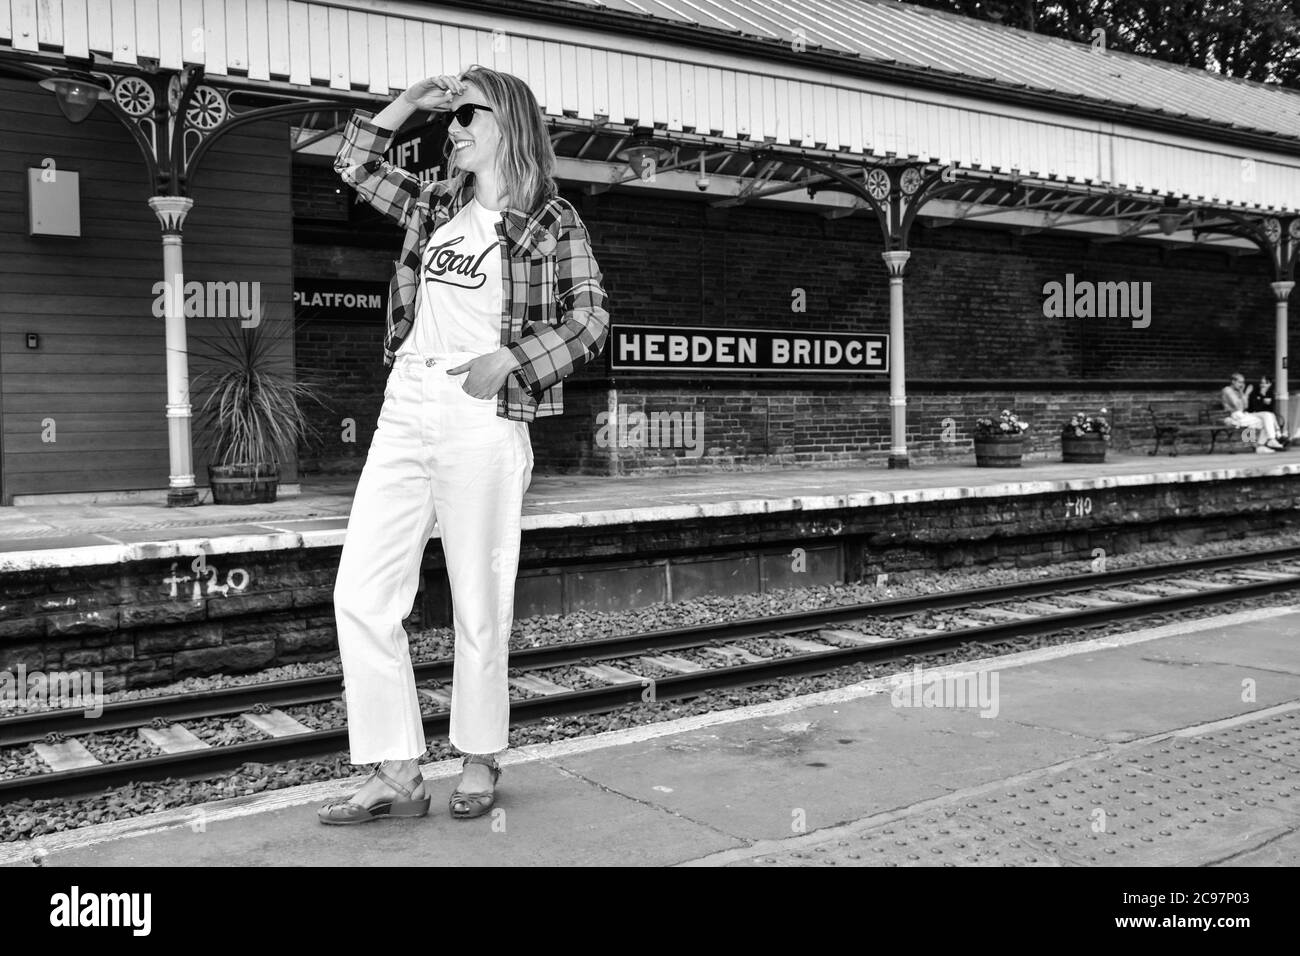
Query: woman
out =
(496, 298)
(1235, 398)
(1262, 397)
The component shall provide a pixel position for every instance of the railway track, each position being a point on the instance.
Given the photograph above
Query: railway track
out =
(606, 674)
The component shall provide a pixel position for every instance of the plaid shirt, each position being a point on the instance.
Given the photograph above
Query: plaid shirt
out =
(546, 261)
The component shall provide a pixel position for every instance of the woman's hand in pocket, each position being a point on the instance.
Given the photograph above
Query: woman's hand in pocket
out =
(487, 373)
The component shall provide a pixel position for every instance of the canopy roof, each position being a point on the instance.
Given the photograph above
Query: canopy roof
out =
(917, 38)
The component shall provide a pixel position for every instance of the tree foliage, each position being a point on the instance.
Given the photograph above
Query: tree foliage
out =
(1251, 39)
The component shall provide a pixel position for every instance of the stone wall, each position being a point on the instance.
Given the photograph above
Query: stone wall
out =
(147, 622)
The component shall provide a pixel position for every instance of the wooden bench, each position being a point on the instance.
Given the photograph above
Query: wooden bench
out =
(1173, 420)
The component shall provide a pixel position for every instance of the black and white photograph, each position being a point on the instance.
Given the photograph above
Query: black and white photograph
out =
(584, 434)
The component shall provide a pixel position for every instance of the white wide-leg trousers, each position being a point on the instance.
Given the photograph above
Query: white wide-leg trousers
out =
(439, 456)
(1263, 422)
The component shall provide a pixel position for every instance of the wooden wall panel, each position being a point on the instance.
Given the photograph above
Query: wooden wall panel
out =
(100, 370)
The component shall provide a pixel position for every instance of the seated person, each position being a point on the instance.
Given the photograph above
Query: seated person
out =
(1262, 397)
(1235, 398)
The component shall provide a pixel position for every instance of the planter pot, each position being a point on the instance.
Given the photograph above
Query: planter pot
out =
(1089, 450)
(243, 484)
(999, 451)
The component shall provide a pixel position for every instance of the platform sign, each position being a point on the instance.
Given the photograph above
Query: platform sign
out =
(356, 300)
(645, 348)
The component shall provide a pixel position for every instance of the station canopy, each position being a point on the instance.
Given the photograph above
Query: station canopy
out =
(1036, 133)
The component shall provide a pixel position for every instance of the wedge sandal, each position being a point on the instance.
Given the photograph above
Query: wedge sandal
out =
(467, 806)
(405, 806)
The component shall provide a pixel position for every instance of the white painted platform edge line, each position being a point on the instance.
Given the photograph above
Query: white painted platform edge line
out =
(325, 790)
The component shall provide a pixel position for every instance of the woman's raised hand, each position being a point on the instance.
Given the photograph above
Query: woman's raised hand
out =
(433, 93)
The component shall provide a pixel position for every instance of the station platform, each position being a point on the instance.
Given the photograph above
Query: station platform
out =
(68, 533)
(1174, 746)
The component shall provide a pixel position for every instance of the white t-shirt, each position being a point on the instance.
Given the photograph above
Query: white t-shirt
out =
(458, 308)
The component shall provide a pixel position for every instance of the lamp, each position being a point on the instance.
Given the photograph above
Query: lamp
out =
(1169, 219)
(77, 93)
(642, 151)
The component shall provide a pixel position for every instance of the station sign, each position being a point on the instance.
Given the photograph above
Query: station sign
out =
(356, 300)
(655, 348)
(419, 150)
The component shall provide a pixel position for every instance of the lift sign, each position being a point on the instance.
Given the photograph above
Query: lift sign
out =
(668, 348)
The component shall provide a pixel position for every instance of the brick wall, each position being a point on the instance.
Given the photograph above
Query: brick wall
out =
(346, 354)
(973, 296)
(752, 429)
(138, 627)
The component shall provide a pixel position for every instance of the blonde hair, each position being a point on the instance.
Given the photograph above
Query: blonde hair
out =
(526, 160)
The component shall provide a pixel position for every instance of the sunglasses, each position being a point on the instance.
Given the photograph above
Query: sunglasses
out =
(465, 114)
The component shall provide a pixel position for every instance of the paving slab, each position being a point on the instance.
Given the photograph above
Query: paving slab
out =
(1266, 655)
(53, 542)
(759, 778)
(191, 531)
(1127, 693)
(307, 524)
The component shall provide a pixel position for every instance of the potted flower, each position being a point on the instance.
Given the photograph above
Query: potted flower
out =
(1000, 442)
(1083, 438)
(253, 419)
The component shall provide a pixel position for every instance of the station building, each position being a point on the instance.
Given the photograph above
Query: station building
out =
(830, 239)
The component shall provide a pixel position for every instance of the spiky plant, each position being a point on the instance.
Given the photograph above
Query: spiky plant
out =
(254, 414)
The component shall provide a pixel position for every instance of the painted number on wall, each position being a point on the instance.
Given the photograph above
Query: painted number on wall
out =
(236, 580)
(1078, 507)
